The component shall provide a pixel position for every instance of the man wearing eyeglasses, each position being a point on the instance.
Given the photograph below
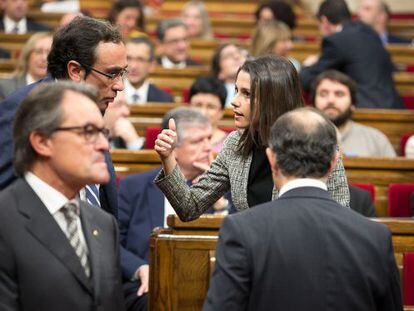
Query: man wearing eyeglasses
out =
(174, 44)
(86, 50)
(58, 252)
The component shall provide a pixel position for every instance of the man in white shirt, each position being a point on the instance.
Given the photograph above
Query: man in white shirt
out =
(15, 21)
(141, 62)
(48, 236)
(303, 250)
(334, 94)
(173, 44)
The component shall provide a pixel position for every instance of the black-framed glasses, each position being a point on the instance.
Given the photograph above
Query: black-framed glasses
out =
(123, 73)
(89, 131)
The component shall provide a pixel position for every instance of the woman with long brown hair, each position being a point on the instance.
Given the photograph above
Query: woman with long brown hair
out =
(266, 88)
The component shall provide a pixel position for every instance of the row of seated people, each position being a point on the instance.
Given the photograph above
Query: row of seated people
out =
(375, 84)
(65, 135)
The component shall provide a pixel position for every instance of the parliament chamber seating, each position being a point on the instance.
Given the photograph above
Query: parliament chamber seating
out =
(399, 199)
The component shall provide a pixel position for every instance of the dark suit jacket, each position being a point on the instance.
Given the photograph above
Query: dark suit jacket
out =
(31, 26)
(157, 95)
(141, 209)
(4, 54)
(358, 52)
(8, 107)
(303, 251)
(361, 201)
(8, 86)
(39, 269)
(392, 39)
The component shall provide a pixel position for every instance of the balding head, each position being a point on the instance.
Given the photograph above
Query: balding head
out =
(374, 13)
(303, 142)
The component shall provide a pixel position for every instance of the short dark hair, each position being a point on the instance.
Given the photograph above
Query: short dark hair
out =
(183, 116)
(166, 24)
(41, 112)
(144, 40)
(304, 142)
(121, 5)
(281, 11)
(209, 85)
(337, 76)
(336, 11)
(78, 41)
(274, 90)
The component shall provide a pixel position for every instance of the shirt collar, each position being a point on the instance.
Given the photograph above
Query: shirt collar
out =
(130, 90)
(9, 25)
(167, 63)
(302, 182)
(50, 197)
(29, 79)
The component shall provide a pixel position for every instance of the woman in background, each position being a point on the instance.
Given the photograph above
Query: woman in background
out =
(266, 88)
(273, 37)
(208, 95)
(128, 15)
(195, 16)
(32, 64)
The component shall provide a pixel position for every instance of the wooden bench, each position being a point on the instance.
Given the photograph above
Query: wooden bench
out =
(182, 259)
(379, 171)
(393, 123)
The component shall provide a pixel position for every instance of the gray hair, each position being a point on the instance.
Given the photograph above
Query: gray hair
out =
(166, 24)
(41, 112)
(183, 118)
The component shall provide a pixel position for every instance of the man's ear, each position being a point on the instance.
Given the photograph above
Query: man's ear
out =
(271, 156)
(76, 72)
(41, 144)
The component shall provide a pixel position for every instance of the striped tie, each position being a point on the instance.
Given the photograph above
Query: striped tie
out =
(70, 211)
(92, 195)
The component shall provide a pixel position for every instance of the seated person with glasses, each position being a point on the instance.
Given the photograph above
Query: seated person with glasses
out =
(173, 44)
(141, 62)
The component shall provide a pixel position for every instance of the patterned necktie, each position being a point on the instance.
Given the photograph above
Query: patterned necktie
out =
(135, 98)
(15, 29)
(70, 211)
(92, 195)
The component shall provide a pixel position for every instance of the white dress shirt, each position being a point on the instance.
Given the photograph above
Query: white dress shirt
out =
(168, 210)
(10, 24)
(302, 182)
(231, 92)
(54, 201)
(166, 63)
(130, 90)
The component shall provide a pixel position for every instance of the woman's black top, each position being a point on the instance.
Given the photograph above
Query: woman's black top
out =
(260, 183)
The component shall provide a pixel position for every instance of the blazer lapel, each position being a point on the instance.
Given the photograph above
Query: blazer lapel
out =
(41, 224)
(93, 240)
(155, 205)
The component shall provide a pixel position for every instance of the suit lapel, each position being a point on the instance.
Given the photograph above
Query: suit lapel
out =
(93, 240)
(41, 224)
(107, 192)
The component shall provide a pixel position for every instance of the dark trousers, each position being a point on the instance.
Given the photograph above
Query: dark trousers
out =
(132, 301)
